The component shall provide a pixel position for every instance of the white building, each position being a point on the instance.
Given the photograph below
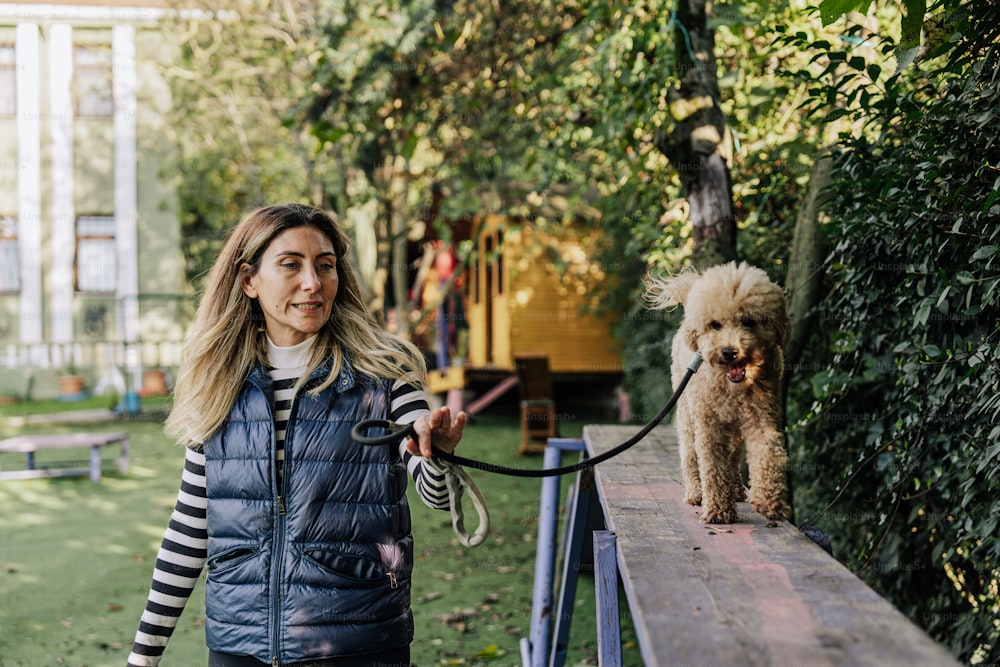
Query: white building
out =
(91, 273)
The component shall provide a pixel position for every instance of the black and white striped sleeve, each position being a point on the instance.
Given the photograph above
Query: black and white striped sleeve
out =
(179, 564)
(407, 405)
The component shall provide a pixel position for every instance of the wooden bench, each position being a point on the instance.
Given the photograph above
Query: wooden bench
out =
(29, 444)
(750, 593)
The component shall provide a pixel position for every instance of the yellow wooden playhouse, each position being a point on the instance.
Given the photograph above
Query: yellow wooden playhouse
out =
(534, 290)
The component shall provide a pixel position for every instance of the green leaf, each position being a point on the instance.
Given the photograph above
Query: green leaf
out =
(905, 57)
(985, 252)
(409, 146)
(944, 295)
(923, 313)
(831, 10)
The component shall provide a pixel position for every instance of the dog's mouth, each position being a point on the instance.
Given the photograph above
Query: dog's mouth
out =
(736, 372)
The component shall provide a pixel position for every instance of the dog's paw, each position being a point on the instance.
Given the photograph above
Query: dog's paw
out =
(692, 498)
(775, 510)
(719, 515)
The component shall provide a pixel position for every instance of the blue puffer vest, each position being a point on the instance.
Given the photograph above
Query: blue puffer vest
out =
(324, 569)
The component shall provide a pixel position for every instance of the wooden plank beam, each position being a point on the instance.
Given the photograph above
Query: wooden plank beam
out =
(750, 593)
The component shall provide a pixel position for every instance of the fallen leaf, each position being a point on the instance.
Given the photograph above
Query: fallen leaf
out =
(489, 653)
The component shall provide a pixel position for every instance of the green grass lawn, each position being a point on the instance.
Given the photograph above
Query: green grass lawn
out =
(77, 559)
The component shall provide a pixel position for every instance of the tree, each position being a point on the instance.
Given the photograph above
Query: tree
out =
(695, 145)
(231, 85)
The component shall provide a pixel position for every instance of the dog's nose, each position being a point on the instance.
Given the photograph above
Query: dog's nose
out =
(729, 354)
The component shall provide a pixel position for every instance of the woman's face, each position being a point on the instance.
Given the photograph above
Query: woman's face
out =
(295, 285)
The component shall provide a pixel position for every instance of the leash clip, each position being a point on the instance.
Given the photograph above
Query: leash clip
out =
(695, 362)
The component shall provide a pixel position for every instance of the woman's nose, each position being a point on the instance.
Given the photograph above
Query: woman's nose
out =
(310, 279)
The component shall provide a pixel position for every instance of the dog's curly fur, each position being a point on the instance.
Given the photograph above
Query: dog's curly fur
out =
(738, 319)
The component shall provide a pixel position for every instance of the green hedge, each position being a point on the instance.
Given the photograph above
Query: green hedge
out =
(896, 450)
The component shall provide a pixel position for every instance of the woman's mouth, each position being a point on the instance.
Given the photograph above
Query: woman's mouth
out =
(307, 307)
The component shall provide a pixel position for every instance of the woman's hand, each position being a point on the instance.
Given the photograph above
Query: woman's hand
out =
(437, 429)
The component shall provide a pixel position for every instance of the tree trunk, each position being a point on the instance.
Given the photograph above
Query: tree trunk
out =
(398, 230)
(805, 265)
(805, 277)
(695, 146)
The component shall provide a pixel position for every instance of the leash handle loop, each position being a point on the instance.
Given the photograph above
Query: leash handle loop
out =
(456, 478)
(396, 432)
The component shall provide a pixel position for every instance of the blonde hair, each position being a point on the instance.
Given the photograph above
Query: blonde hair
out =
(227, 339)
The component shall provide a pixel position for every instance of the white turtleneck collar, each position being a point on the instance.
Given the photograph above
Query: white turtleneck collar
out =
(288, 358)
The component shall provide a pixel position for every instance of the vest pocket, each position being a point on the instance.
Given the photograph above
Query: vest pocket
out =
(350, 570)
(230, 558)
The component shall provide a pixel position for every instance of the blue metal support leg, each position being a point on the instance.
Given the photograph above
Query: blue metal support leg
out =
(577, 514)
(535, 650)
(609, 633)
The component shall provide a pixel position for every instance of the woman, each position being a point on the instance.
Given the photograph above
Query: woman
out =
(306, 534)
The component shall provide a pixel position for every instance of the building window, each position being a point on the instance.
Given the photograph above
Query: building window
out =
(92, 72)
(8, 81)
(96, 257)
(10, 273)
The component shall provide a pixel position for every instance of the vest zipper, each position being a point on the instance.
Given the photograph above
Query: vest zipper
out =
(276, 566)
(279, 536)
(392, 579)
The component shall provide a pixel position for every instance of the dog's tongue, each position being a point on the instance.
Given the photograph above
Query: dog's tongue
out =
(737, 373)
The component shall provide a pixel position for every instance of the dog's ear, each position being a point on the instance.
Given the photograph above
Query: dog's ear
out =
(690, 337)
(661, 292)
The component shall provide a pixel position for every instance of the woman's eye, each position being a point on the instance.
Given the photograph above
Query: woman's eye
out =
(290, 265)
(326, 267)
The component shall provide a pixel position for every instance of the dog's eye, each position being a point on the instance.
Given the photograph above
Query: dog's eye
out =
(748, 322)
(715, 325)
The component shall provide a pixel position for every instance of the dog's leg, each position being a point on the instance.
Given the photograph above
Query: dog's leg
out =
(736, 465)
(768, 463)
(718, 476)
(689, 459)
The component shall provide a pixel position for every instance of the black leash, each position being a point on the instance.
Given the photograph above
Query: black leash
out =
(398, 432)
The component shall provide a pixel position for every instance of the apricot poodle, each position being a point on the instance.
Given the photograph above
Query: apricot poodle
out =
(738, 320)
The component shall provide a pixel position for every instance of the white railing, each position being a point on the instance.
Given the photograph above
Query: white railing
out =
(90, 355)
